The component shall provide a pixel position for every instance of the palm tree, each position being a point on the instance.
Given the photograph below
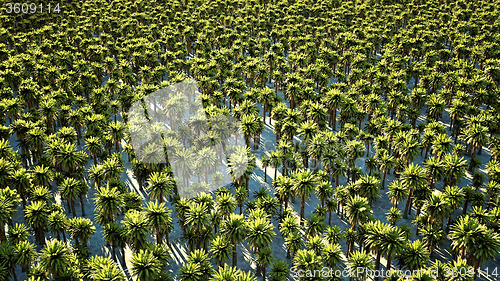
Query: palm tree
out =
(397, 192)
(434, 168)
(108, 202)
(159, 218)
(279, 271)
(57, 223)
(454, 169)
(432, 237)
(394, 215)
(360, 261)
(260, 233)
(136, 229)
(437, 208)
(69, 189)
(94, 147)
(145, 266)
(324, 190)
(358, 210)
(159, 185)
(235, 229)
(24, 254)
(225, 204)
(264, 258)
(284, 188)
(473, 241)
(55, 258)
(368, 187)
(81, 229)
(413, 255)
(333, 99)
(413, 177)
(315, 225)
(307, 260)
(293, 242)
(266, 162)
(36, 214)
(241, 196)
(386, 163)
(220, 249)
(101, 268)
(303, 186)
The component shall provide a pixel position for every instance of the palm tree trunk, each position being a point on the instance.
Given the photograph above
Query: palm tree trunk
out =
(83, 206)
(234, 254)
(388, 265)
(302, 207)
(73, 208)
(408, 206)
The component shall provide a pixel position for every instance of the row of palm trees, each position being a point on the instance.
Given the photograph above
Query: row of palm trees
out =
(375, 68)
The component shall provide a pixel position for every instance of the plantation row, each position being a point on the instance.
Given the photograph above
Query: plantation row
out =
(371, 133)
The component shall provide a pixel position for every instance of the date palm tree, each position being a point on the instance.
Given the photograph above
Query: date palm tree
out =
(413, 177)
(55, 258)
(159, 218)
(413, 255)
(358, 210)
(454, 169)
(360, 260)
(303, 187)
(220, 249)
(145, 266)
(136, 229)
(159, 185)
(81, 230)
(36, 214)
(235, 229)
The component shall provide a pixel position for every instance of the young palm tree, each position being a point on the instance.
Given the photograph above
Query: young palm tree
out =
(454, 169)
(303, 187)
(235, 229)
